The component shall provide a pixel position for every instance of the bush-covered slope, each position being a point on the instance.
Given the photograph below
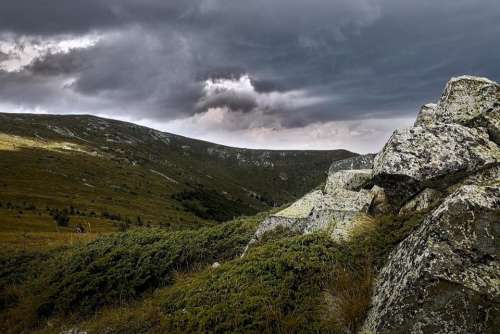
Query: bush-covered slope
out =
(150, 281)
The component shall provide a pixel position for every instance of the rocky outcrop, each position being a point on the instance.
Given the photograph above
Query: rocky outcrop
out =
(433, 156)
(445, 277)
(334, 208)
(469, 101)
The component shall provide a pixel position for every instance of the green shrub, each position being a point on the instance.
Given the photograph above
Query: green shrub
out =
(122, 266)
(275, 288)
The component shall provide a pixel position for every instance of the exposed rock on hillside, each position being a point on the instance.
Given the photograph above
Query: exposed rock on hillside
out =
(359, 162)
(334, 208)
(469, 101)
(433, 156)
(444, 277)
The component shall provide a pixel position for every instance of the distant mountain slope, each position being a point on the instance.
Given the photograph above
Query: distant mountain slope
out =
(106, 170)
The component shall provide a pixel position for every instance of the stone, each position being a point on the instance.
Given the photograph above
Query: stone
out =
(336, 212)
(302, 208)
(469, 101)
(380, 202)
(465, 98)
(421, 202)
(364, 161)
(353, 179)
(215, 265)
(444, 278)
(426, 116)
(434, 156)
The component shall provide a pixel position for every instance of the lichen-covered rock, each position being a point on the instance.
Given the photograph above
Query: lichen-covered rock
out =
(466, 100)
(431, 157)
(426, 116)
(302, 208)
(347, 179)
(359, 162)
(337, 211)
(380, 203)
(294, 217)
(444, 278)
(422, 201)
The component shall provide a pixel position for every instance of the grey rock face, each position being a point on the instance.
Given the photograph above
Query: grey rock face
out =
(426, 116)
(353, 179)
(432, 156)
(469, 101)
(331, 210)
(360, 162)
(444, 278)
(465, 98)
(422, 201)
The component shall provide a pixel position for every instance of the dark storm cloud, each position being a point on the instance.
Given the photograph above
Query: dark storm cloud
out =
(355, 59)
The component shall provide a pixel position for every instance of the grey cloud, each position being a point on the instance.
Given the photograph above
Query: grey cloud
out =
(56, 64)
(364, 58)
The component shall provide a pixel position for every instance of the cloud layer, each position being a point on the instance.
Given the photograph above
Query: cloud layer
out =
(267, 71)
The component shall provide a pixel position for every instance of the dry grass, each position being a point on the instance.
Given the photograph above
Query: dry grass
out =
(34, 241)
(347, 298)
(15, 143)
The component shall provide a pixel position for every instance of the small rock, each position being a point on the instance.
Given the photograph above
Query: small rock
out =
(215, 265)
(426, 116)
(422, 201)
(352, 179)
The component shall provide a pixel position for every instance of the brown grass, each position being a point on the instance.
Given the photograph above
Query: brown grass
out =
(347, 298)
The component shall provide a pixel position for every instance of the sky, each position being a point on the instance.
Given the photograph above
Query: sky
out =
(277, 74)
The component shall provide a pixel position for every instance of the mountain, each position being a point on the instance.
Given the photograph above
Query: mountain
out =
(101, 171)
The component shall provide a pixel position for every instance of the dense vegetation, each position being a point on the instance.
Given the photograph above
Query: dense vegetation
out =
(158, 281)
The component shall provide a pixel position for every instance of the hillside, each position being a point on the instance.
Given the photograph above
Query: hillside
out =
(104, 173)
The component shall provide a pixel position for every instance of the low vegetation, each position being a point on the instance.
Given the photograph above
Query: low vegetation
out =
(147, 281)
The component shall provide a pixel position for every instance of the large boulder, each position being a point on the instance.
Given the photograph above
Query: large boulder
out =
(433, 156)
(333, 209)
(295, 217)
(466, 100)
(444, 278)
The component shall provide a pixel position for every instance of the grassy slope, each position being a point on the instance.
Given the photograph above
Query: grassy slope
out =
(149, 281)
(103, 166)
